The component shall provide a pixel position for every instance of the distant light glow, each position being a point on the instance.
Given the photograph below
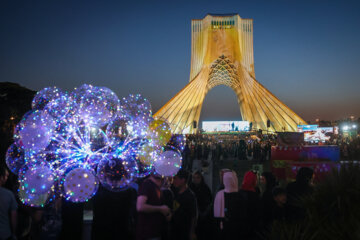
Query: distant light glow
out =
(225, 126)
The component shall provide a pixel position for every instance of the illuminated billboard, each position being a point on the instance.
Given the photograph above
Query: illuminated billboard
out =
(306, 128)
(225, 126)
(313, 133)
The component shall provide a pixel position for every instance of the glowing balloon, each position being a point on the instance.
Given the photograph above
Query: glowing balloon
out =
(36, 130)
(59, 107)
(118, 131)
(44, 96)
(19, 126)
(94, 160)
(85, 141)
(96, 105)
(54, 155)
(139, 126)
(36, 178)
(15, 158)
(135, 106)
(98, 140)
(138, 169)
(80, 184)
(113, 174)
(33, 200)
(162, 131)
(16, 135)
(147, 154)
(177, 141)
(168, 164)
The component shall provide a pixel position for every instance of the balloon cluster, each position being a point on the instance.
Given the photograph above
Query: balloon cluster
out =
(69, 143)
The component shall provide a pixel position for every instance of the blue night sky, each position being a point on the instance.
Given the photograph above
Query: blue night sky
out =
(306, 52)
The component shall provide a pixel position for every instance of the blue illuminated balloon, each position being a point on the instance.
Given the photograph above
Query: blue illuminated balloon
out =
(113, 174)
(36, 177)
(36, 131)
(93, 160)
(44, 96)
(84, 141)
(95, 105)
(19, 126)
(178, 142)
(118, 131)
(59, 107)
(135, 106)
(15, 158)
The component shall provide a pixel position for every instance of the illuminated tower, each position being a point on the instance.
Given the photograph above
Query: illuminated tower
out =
(222, 54)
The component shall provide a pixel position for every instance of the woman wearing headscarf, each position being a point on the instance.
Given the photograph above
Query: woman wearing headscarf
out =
(230, 208)
(248, 188)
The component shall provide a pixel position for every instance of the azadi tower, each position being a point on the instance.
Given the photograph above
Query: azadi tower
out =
(222, 54)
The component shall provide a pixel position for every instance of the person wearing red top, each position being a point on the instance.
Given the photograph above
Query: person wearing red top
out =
(152, 212)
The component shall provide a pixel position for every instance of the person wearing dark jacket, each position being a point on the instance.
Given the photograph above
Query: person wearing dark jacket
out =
(203, 198)
(242, 150)
(297, 191)
(267, 201)
(184, 216)
(72, 220)
(280, 211)
(168, 197)
(107, 208)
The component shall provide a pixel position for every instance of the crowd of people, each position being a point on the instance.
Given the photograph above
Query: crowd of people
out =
(252, 147)
(218, 148)
(350, 149)
(181, 207)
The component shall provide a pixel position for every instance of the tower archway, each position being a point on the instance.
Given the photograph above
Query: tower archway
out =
(222, 54)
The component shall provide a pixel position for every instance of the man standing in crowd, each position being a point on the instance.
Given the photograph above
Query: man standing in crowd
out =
(298, 190)
(152, 212)
(8, 208)
(185, 210)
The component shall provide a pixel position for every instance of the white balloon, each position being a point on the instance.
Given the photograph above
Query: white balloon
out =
(168, 163)
(80, 184)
